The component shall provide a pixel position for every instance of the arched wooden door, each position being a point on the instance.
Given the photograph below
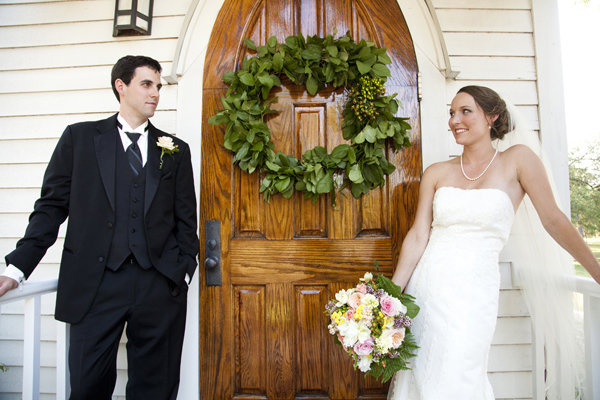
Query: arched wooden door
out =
(263, 334)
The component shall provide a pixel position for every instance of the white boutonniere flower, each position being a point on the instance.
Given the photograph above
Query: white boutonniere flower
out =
(167, 146)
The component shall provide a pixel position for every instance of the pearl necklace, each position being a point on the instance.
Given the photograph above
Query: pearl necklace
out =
(484, 170)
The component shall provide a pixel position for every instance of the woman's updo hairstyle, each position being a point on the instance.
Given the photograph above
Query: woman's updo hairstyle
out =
(491, 104)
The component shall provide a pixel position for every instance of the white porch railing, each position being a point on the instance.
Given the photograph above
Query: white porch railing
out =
(591, 328)
(31, 294)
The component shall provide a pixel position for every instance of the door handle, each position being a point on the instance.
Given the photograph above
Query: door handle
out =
(212, 252)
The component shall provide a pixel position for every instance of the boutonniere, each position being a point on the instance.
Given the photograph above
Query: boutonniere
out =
(167, 146)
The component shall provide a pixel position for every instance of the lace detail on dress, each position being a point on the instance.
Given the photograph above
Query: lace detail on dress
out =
(456, 284)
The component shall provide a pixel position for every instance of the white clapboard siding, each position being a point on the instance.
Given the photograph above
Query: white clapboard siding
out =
(55, 62)
(519, 92)
(85, 54)
(504, 4)
(30, 175)
(477, 20)
(80, 32)
(52, 126)
(52, 12)
(19, 151)
(82, 101)
(52, 256)
(511, 385)
(489, 44)
(59, 79)
(13, 224)
(495, 68)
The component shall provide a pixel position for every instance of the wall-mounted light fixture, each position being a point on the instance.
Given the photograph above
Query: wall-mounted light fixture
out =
(133, 17)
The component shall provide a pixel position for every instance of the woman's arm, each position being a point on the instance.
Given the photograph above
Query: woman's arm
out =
(417, 237)
(533, 179)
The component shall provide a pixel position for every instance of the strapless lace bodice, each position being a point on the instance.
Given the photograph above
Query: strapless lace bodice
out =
(456, 284)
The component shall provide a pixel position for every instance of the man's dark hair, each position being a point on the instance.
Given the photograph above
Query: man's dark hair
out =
(125, 68)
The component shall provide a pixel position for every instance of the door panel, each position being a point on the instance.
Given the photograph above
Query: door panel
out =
(263, 333)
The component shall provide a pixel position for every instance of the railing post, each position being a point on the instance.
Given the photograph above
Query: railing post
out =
(63, 388)
(591, 324)
(31, 348)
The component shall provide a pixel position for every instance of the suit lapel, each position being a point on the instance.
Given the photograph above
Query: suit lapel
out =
(152, 171)
(105, 142)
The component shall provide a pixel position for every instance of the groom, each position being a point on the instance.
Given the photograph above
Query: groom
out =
(131, 243)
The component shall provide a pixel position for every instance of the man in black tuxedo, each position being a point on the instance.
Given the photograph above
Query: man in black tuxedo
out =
(131, 242)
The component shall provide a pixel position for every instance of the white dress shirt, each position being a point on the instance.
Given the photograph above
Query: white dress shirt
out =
(142, 141)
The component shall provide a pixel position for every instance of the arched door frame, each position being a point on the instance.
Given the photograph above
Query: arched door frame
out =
(187, 71)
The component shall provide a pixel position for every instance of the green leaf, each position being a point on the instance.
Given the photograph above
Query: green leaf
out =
(277, 62)
(272, 41)
(266, 80)
(282, 184)
(312, 86)
(363, 67)
(384, 59)
(340, 152)
(355, 175)
(325, 184)
(229, 77)
(370, 133)
(332, 50)
(218, 119)
(292, 42)
(250, 44)
(381, 70)
(246, 78)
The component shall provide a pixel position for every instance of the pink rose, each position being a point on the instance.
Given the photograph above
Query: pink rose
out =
(355, 299)
(398, 337)
(362, 288)
(349, 314)
(364, 348)
(391, 306)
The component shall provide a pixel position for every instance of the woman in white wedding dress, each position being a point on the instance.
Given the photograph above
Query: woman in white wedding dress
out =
(449, 258)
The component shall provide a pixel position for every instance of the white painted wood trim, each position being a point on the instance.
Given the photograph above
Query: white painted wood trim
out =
(173, 78)
(31, 348)
(448, 72)
(551, 94)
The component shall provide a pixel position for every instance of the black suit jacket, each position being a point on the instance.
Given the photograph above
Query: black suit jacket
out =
(79, 183)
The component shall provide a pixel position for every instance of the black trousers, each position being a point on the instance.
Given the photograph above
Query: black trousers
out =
(154, 312)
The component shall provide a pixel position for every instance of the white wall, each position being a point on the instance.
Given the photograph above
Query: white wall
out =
(55, 62)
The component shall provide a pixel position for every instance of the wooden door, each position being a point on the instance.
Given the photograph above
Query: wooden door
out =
(263, 334)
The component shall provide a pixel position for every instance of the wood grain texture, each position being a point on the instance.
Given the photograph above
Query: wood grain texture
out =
(263, 332)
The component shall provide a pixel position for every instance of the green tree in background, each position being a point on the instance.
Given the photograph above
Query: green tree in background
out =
(584, 174)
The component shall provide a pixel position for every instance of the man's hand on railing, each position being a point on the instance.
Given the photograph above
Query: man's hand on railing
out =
(7, 284)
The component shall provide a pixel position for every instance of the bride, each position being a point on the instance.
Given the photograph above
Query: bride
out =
(449, 258)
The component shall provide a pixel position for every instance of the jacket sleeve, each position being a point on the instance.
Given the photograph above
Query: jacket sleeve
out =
(185, 213)
(50, 210)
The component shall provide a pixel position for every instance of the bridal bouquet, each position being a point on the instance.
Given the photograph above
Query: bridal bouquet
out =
(372, 323)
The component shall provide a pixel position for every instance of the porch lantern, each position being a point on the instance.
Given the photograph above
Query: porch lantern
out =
(133, 17)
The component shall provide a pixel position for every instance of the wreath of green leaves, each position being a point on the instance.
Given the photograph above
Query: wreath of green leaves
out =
(369, 119)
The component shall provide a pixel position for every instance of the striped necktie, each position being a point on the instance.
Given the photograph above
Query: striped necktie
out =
(133, 153)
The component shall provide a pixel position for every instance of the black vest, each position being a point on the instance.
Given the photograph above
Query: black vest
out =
(129, 234)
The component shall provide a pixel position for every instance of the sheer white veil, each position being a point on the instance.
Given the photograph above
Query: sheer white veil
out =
(545, 272)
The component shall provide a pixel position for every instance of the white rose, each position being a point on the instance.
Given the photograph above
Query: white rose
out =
(370, 301)
(166, 143)
(367, 278)
(349, 332)
(385, 341)
(341, 297)
(365, 363)
(364, 332)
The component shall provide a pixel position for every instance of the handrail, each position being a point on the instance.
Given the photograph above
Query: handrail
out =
(587, 286)
(29, 289)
